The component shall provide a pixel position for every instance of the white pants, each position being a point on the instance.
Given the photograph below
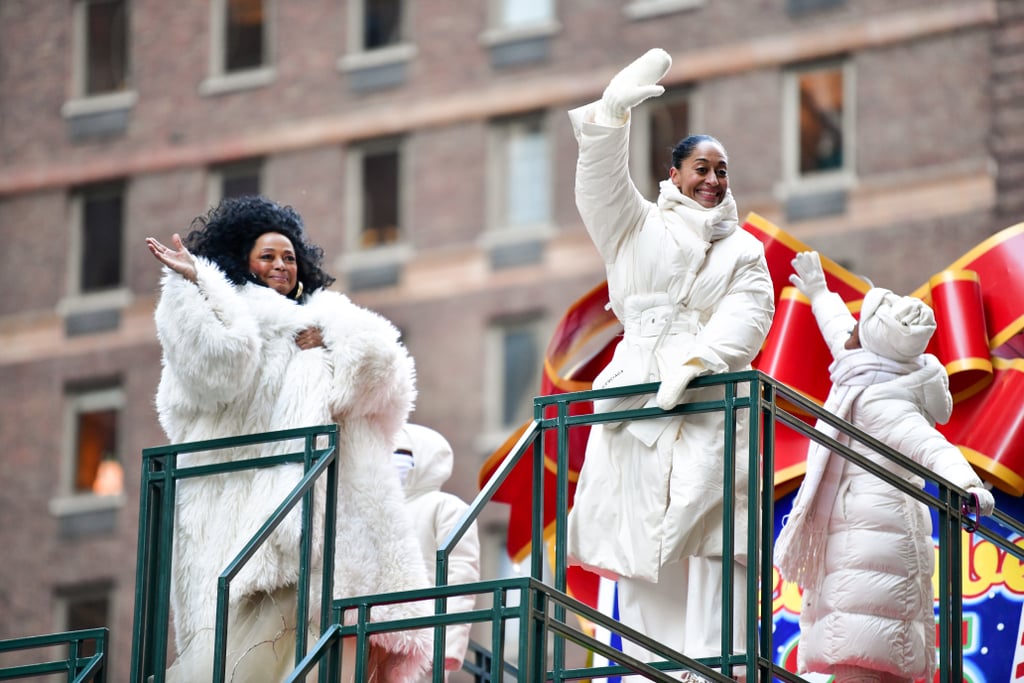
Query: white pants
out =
(684, 609)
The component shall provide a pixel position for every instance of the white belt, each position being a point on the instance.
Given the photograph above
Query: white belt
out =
(653, 321)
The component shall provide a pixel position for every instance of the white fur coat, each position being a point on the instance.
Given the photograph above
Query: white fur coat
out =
(231, 367)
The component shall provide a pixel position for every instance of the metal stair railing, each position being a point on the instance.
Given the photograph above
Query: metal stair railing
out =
(540, 610)
(78, 667)
(160, 476)
(950, 504)
(766, 401)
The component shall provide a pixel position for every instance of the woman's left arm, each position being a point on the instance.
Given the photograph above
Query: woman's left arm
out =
(373, 375)
(734, 334)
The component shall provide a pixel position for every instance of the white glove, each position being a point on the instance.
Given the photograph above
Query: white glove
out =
(986, 503)
(674, 383)
(631, 86)
(809, 277)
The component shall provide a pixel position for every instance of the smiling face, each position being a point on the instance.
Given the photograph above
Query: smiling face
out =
(704, 175)
(272, 261)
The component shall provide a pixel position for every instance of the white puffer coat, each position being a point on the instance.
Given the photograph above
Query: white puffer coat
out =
(231, 367)
(874, 606)
(686, 284)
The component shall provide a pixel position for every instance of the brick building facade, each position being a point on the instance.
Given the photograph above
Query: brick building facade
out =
(427, 147)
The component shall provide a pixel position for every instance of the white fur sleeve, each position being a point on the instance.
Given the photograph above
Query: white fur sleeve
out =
(373, 375)
(210, 341)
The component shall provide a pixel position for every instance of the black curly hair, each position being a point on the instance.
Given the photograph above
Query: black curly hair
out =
(228, 232)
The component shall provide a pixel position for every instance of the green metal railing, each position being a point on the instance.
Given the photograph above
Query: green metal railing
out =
(77, 667)
(539, 617)
(160, 477)
(542, 610)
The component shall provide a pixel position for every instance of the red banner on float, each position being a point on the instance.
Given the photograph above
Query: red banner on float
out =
(979, 310)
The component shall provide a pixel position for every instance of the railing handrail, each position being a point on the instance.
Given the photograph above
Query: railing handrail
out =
(78, 668)
(764, 400)
(767, 392)
(160, 474)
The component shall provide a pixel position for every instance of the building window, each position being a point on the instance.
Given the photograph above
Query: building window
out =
(235, 180)
(514, 369)
(515, 14)
(103, 37)
(84, 607)
(658, 125)
(244, 35)
(799, 7)
(383, 23)
(94, 461)
(100, 212)
(101, 99)
(376, 193)
(520, 194)
(519, 32)
(819, 121)
(241, 46)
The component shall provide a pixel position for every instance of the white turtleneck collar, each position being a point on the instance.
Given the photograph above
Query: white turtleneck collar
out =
(714, 223)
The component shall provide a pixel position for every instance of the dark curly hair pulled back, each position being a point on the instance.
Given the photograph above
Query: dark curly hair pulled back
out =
(228, 232)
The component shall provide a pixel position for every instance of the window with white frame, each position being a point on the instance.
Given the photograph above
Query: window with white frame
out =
(235, 180)
(101, 44)
(382, 23)
(99, 213)
(645, 9)
(244, 35)
(516, 14)
(85, 606)
(378, 47)
(520, 189)
(819, 121)
(375, 193)
(241, 39)
(514, 365)
(658, 125)
(94, 465)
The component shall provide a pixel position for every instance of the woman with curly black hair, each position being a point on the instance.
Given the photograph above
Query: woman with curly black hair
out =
(254, 342)
(227, 233)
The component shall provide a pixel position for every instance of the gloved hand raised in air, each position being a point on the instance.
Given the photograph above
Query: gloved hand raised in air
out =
(631, 86)
(809, 277)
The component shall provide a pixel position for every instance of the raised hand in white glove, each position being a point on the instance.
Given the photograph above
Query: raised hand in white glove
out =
(809, 277)
(986, 503)
(631, 86)
(674, 383)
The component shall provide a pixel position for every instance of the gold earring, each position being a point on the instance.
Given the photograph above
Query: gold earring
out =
(298, 292)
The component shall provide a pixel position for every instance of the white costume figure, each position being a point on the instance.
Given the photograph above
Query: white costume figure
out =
(861, 549)
(694, 295)
(425, 459)
(231, 367)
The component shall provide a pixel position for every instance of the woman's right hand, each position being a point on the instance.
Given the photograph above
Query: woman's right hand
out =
(179, 259)
(631, 86)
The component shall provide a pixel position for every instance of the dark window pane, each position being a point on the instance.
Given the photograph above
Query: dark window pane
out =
(101, 241)
(383, 23)
(380, 198)
(669, 124)
(521, 370)
(240, 185)
(244, 35)
(106, 47)
(87, 612)
(821, 117)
